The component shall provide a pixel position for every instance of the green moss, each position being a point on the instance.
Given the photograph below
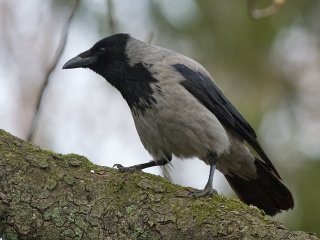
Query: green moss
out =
(83, 160)
(154, 182)
(129, 209)
(40, 162)
(10, 233)
(140, 234)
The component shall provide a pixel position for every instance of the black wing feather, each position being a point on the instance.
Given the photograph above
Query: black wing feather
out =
(204, 89)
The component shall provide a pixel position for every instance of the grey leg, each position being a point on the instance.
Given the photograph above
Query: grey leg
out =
(137, 167)
(208, 189)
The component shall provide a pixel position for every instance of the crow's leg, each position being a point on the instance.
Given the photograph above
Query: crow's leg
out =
(208, 189)
(153, 163)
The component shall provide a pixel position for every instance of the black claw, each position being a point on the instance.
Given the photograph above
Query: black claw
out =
(117, 165)
(202, 193)
(125, 169)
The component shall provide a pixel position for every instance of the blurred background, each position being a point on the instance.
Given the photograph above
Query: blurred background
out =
(269, 69)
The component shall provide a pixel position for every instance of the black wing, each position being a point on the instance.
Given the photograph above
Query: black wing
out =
(204, 89)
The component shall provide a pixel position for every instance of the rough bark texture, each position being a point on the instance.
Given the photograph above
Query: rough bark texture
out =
(44, 195)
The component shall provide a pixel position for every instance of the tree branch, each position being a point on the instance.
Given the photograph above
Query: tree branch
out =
(50, 69)
(265, 12)
(111, 21)
(45, 195)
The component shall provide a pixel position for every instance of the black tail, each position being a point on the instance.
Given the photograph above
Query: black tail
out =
(265, 192)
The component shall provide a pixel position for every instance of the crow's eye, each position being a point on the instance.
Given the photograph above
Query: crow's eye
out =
(101, 49)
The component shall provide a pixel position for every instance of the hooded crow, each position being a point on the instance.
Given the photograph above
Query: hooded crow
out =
(179, 110)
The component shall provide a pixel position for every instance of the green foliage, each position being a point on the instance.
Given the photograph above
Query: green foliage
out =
(306, 181)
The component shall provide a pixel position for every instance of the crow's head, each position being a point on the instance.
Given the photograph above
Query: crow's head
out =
(109, 58)
(103, 57)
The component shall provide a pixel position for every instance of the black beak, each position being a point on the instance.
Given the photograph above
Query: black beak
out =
(82, 60)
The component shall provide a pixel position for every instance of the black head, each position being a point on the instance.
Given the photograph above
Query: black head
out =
(108, 50)
(109, 59)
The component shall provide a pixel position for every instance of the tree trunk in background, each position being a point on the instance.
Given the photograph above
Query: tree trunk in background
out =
(44, 195)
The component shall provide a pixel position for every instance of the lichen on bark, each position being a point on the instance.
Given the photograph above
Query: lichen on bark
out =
(45, 195)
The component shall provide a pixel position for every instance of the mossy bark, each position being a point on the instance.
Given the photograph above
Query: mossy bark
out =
(45, 195)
